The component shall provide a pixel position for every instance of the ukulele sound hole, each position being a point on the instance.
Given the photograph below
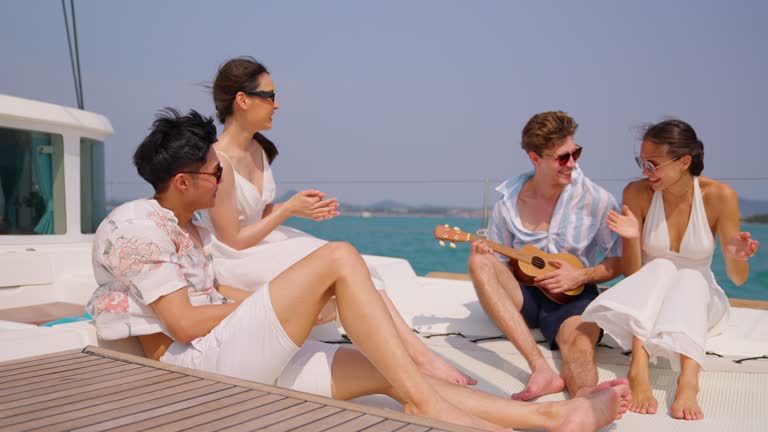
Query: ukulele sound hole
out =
(538, 262)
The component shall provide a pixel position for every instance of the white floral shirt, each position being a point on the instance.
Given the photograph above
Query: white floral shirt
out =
(139, 255)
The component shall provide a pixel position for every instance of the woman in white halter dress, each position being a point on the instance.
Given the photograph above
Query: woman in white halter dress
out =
(251, 246)
(280, 249)
(670, 301)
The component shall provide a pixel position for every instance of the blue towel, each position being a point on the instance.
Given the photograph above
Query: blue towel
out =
(86, 317)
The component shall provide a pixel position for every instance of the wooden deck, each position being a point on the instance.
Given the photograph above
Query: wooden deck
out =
(98, 390)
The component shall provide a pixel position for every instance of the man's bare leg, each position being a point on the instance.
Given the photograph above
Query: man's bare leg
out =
(686, 405)
(643, 401)
(429, 362)
(354, 376)
(576, 340)
(501, 298)
(299, 294)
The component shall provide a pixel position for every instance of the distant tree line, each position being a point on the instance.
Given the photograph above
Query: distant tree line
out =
(757, 218)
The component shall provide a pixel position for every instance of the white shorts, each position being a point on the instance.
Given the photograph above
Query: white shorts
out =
(251, 344)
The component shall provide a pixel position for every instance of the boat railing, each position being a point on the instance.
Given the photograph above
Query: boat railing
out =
(469, 188)
(486, 188)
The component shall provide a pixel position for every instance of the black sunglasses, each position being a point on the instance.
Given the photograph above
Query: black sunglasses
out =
(217, 174)
(565, 157)
(264, 94)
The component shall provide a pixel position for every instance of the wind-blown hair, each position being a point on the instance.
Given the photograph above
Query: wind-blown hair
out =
(236, 75)
(681, 139)
(175, 143)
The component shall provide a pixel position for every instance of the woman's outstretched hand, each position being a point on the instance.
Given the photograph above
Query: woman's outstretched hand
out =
(625, 225)
(312, 204)
(741, 246)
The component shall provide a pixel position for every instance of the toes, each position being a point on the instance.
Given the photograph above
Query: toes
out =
(693, 414)
(687, 412)
(522, 396)
(642, 408)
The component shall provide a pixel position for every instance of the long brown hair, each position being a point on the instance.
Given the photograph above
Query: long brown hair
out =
(236, 75)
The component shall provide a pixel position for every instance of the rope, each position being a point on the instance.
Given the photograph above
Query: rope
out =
(437, 181)
(75, 74)
(77, 56)
(740, 361)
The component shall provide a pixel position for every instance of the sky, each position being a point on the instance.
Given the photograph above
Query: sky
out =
(414, 101)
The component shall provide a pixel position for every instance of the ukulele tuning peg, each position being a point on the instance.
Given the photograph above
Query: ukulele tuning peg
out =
(456, 228)
(452, 245)
(441, 243)
(446, 225)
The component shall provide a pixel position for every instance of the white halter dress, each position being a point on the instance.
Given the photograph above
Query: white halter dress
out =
(673, 303)
(253, 267)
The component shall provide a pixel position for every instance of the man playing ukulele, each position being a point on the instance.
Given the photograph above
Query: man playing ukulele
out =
(558, 210)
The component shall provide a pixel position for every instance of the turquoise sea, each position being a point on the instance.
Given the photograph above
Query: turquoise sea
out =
(411, 238)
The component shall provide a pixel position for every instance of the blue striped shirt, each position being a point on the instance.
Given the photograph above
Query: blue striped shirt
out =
(577, 226)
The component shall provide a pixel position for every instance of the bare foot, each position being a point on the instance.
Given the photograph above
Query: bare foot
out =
(434, 366)
(440, 409)
(593, 411)
(643, 401)
(685, 405)
(542, 381)
(625, 399)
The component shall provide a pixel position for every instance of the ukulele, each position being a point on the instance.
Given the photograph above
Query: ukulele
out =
(526, 263)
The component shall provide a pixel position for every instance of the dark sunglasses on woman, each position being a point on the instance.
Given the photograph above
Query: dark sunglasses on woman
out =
(264, 94)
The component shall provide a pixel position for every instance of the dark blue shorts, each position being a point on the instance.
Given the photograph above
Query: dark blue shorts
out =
(539, 311)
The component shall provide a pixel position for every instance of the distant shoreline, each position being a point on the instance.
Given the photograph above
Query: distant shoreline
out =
(760, 218)
(754, 219)
(456, 214)
(420, 212)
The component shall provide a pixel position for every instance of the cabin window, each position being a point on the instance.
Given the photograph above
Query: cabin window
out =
(93, 206)
(31, 182)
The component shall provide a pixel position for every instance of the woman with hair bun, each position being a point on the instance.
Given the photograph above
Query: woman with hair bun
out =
(252, 246)
(670, 302)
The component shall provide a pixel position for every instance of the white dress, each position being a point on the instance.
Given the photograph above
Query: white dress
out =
(253, 267)
(673, 303)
